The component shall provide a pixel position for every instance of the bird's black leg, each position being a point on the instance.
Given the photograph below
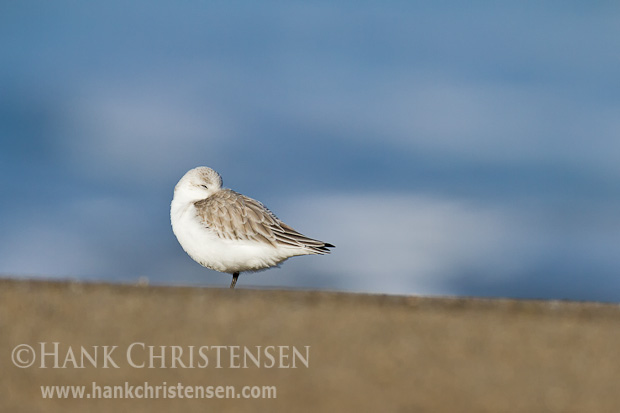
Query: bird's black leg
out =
(234, 280)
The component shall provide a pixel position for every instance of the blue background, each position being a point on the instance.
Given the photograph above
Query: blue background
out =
(451, 148)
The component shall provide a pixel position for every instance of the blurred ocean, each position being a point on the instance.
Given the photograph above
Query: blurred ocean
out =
(445, 148)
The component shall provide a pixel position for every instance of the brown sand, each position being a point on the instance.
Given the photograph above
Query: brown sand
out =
(367, 352)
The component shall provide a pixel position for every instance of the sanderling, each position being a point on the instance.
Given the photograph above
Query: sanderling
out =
(229, 232)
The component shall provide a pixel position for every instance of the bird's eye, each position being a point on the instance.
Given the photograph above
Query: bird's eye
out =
(204, 186)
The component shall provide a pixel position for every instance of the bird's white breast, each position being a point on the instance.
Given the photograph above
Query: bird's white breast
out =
(224, 255)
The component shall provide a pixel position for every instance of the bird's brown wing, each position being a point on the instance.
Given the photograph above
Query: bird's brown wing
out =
(237, 217)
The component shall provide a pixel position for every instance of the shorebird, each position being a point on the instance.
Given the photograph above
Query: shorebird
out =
(228, 232)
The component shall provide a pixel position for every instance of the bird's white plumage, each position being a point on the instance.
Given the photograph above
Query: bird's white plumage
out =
(229, 232)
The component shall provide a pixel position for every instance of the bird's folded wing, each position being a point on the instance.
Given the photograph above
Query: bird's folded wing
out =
(236, 217)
